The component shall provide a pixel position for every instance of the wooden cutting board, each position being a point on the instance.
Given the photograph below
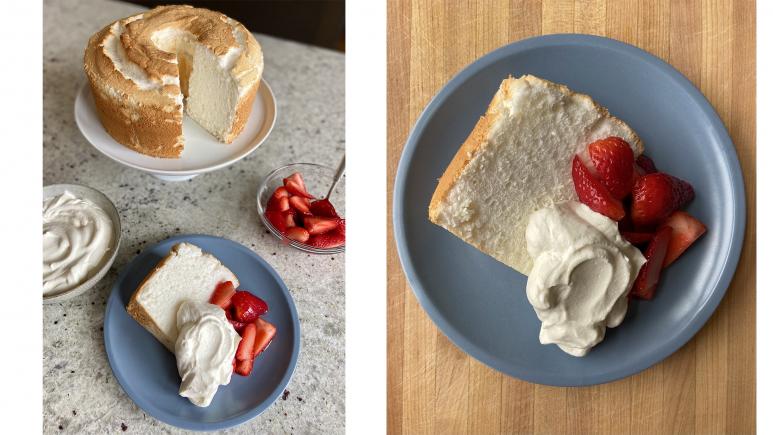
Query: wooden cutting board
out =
(706, 387)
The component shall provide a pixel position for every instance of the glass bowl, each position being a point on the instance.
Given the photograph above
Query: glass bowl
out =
(318, 179)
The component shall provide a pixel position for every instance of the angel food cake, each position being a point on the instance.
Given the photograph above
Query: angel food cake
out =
(552, 185)
(145, 70)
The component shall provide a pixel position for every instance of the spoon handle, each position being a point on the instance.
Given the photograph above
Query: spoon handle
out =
(339, 173)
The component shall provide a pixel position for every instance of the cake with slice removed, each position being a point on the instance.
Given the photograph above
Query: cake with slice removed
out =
(518, 160)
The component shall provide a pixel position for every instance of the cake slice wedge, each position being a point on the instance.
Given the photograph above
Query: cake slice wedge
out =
(186, 273)
(517, 160)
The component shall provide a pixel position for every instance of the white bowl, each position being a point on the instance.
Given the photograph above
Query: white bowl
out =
(103, 202)
(202, 153)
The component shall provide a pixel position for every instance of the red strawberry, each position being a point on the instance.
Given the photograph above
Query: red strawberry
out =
(687, 230)
(238, 326)
(243, 367)
(222, 295)
(244, 351)
(613, 159)
(646, 164)
(281, 192)
(265, 333)
(278, 204)
(299, 234)
(295, 185)
(318, 225)
(656, 196)
(277, 220)
(289, 218)
(636, 238)
(324, 208)
(649, 275)
(330, 239)
(299, 203)
(593, 193)
(341, 228)
(248, 307)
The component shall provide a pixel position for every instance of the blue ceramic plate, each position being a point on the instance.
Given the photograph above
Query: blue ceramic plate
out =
(480, 304)
(147, 371)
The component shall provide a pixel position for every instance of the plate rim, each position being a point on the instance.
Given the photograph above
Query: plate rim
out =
(177, 421)
(702, 313)
(265, 94)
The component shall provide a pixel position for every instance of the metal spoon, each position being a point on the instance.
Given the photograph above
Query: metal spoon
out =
(338, 175)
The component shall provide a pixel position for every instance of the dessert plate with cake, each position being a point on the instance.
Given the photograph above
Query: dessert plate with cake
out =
(201, 333)
(176, 91)
(569, 210)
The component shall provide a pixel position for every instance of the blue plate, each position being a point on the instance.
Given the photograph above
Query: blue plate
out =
(147, 371)
(480, 304)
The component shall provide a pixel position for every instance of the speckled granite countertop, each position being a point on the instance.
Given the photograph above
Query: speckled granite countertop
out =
(80, 393)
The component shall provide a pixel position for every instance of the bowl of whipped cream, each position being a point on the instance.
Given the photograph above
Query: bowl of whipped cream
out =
(81, 235)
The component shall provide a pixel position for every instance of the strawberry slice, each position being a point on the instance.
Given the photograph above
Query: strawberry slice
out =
(592, 192)
(330, 239)
(265, 333)
(324, 208)
(244, 351)
(299, 203)
(295, 185)
(243, 367)
(656, 196)
(280, 192)
(649, 275)
(646, 164)
(613, 159)
(223, 294)
(277, 220)
(299, 234)
(289, 218)
(319, 225)
(635, 238)
(248, 307)
(278, 204)
(341, 228)
(238, 326)
(687, 230)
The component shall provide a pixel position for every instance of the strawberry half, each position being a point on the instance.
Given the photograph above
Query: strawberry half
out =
(592, 192)
(649, 275)
(656, 196)
(331, 239)
(244, 351)
(289, 218)
(238, 326)
(277, 220)
(295, 185)
(646, 164)
(613, 159)
(324, 208)
(223, 294)
(299, 234)
(299, 203)
(319, 225)
(278, 203)
(248, 307)
(243, 367)
(265, 333)
(635, 238)
(687, 230)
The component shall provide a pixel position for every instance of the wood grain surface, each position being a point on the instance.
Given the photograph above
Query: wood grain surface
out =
(706, 387)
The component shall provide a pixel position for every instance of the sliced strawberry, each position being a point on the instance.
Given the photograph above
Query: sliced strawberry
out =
(613, 159)
(244, 351)
(289, 218)
(248, 307)
(299, 203)
(281, 192)
(646, 164)
(296, 178)
(593, 193)
(277, 220)
(341, 228)
(295, 185)
(319, 225)
(222, 295)
(299, 234)
(265, 333)
(636, 238)
(656, 196)
(687, 230)
(330, 239)
(649, 275)
(278, 204)
(243, 367)
(238, 326)
(323, 207)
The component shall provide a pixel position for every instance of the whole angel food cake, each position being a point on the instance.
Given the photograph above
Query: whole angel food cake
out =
(146, 69)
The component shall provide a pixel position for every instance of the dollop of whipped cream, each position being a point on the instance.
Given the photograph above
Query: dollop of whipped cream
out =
(205, 347)
(76, 236)
(583, 271)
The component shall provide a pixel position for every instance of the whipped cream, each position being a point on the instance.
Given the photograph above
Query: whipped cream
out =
(205, 348)
(76, 236)
(583, 271)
